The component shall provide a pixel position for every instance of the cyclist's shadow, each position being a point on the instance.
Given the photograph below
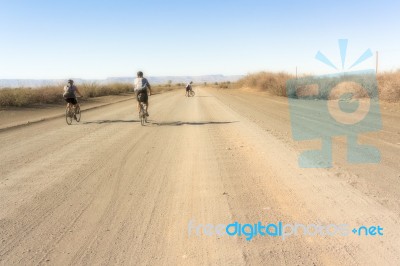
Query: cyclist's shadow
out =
(106, 121)
(157, 124)
(183, 123)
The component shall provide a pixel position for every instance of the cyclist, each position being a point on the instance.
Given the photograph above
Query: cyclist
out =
(70, 91)
(142, 90)
(188, 88)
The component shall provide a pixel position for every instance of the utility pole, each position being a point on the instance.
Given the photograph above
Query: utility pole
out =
(377, 60)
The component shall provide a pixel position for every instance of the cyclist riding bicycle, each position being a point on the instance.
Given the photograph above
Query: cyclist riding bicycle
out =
(142, 90)
(70, 91)
(188, 88)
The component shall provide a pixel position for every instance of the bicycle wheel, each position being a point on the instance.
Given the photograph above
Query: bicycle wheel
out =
(78, 113)
(191, 93)
(68, 116)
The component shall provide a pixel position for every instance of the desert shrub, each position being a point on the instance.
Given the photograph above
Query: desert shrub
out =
(224, 85)
(389, 86)
(53, 94)
(274, 83)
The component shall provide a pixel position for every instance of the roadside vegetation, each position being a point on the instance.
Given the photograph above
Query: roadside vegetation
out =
(389, 86)
(23, 97)
(220, 85)
(270, 82)
(275, 84)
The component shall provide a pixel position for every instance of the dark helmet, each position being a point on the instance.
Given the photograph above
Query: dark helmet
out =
(140, 74)
(70, 81)
(191, 82)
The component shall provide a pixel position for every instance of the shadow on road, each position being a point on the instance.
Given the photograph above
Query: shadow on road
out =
(181, 123)
(169, 123)
(110, 121)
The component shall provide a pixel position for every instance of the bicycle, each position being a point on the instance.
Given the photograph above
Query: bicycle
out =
(142, 113)
(72, 113)
(191, 93)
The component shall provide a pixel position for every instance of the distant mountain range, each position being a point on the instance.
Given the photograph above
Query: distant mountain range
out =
(16, 83)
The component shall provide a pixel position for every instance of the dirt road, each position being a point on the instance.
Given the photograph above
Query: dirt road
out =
(109, 191)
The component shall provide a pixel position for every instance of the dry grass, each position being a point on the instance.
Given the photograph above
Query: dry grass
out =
(21, 97)
(219, 85)
(91, 90)
(389, 86)
(275, 83)
(53, 94)
(27, 96)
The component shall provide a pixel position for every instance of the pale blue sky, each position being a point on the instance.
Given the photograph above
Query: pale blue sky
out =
(103, 38)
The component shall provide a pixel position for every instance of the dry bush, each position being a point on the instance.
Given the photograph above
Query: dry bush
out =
(274, 83)
(90, 90)
(53, 94)
(307, 90)
(224, 85)
(342, 88)
(28, 96)
(389, 86)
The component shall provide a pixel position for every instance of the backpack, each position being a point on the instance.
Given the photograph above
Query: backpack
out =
(144, 86)
(69, 91)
